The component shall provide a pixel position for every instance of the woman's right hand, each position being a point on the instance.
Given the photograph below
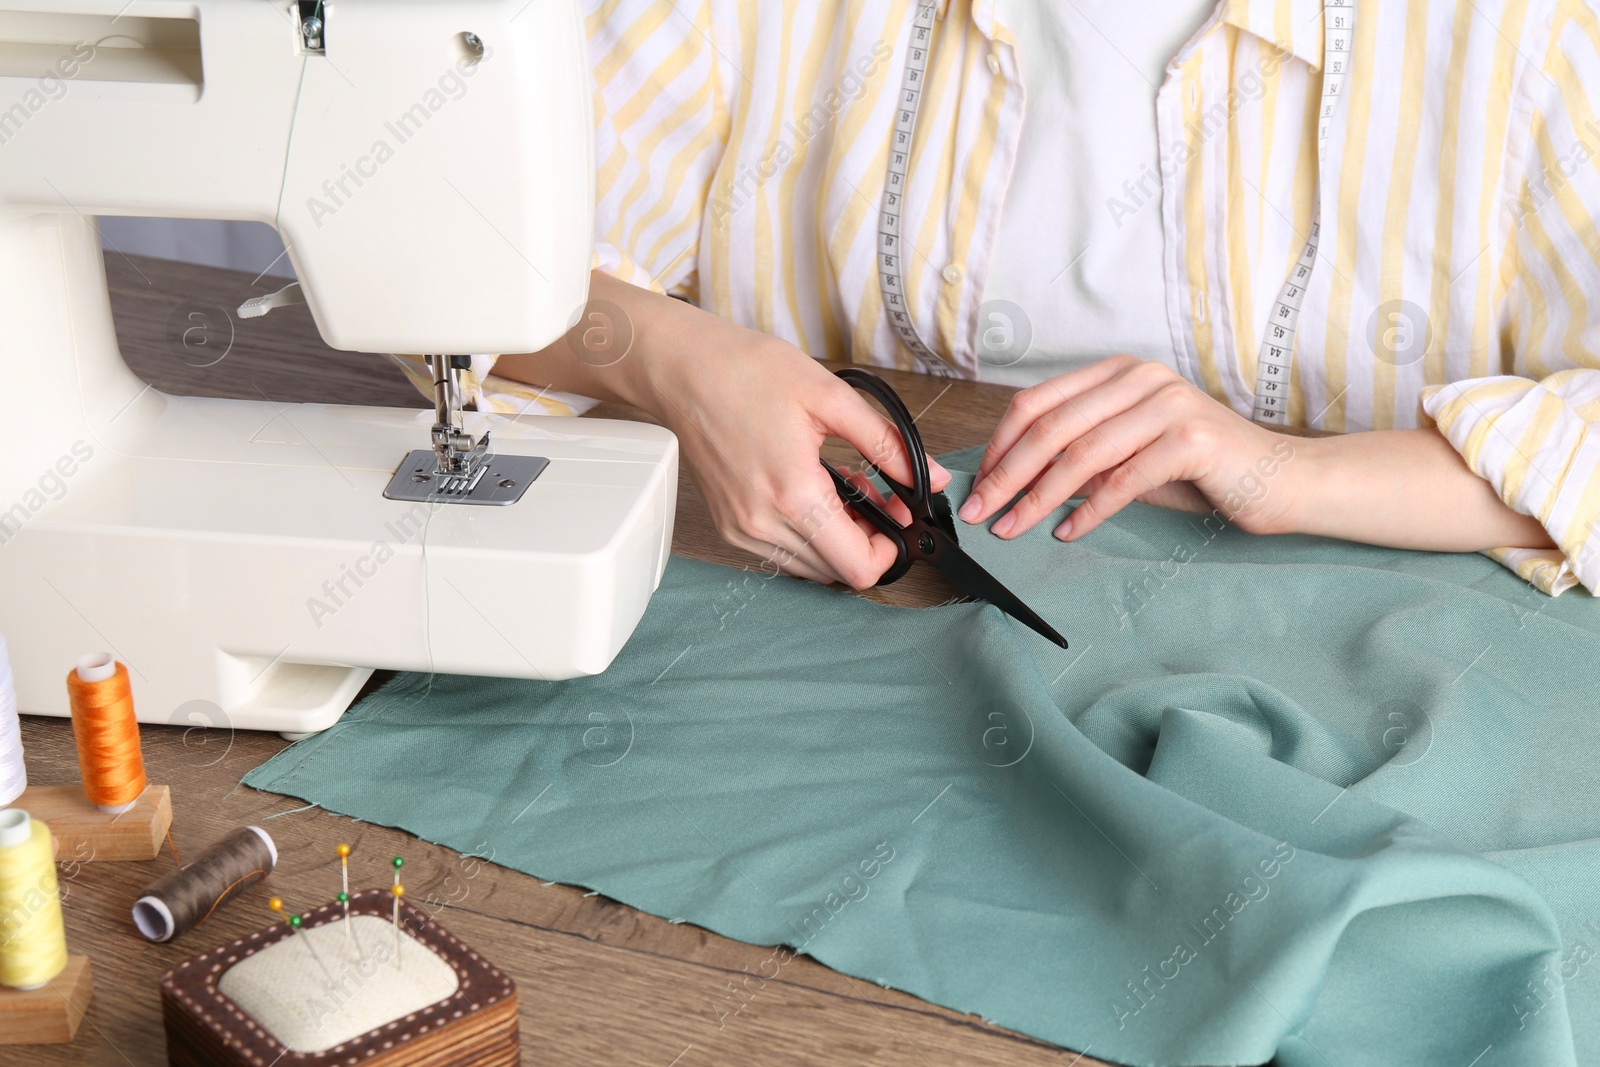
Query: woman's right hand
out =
(751, 413)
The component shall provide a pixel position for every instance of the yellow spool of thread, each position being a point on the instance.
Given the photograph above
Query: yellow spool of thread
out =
(33, 942)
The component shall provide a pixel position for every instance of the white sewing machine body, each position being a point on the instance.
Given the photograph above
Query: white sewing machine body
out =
(241, 556)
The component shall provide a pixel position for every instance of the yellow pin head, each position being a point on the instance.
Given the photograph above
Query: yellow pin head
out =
(343, 850)
(276, 903)
(398, 890)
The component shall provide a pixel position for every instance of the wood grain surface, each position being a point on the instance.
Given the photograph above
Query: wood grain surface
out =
(50, 1014)
(79, 829)
(599, 983)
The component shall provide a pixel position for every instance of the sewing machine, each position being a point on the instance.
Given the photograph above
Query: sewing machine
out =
(430, 168)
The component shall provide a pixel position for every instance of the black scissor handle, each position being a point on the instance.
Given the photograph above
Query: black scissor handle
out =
(917, 495)
(868, 509)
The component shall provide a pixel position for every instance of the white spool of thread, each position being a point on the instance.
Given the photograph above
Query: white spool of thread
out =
(13, 775)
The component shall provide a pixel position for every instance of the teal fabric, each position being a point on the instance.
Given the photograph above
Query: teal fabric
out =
(1283, 797)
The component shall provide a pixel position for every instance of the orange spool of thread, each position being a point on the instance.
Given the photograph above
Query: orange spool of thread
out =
(107, 733)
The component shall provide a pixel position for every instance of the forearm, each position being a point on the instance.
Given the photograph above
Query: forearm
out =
(751, 412)
(1404, 489)
(624, 335)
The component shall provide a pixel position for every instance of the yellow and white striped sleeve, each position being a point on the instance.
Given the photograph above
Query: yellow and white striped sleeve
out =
(660, 131)
(1538, 444)
(1535, 434)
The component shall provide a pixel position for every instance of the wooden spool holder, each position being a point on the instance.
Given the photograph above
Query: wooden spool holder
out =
(83, 833)
(476, 1026)
(49, 1015)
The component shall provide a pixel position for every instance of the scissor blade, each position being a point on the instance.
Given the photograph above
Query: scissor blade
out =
(967, 576)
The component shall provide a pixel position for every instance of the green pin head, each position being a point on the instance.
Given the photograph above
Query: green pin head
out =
(344, 898)
(398, 863)
(294, 921)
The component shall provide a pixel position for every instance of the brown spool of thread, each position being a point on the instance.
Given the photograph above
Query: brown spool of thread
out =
(187, 896)
(109, 757)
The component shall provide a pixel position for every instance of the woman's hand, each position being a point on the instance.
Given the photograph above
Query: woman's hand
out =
(751, 413)
(1126, 429)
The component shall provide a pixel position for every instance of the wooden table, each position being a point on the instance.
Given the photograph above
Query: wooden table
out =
(600, 983)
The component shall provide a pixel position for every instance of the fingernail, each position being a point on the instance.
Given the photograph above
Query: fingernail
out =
(1064, 531)
(969, 511)
(1003, 526)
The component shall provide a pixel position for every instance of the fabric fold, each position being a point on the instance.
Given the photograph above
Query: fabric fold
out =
(1292, 798)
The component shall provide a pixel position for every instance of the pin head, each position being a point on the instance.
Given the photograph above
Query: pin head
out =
(398, 890)
(276, 903)
(344, 898)
(294, 921)
(343, 850)
(398, 863)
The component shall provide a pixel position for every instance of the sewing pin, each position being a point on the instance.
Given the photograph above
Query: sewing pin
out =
(344, 877)
(397, 892)
(294, 921)
(344, 897)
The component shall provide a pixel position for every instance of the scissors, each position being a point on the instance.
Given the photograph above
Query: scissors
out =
(928, 537)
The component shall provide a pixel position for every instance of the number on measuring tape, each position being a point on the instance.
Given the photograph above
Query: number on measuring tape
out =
(891, 261)
(1276, 357)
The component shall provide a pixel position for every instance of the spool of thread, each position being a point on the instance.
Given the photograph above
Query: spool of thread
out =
(186, 897)
(33, 942)
(109, 757)
(13, 775)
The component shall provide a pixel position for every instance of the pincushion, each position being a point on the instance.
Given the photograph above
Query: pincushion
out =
(264, 999)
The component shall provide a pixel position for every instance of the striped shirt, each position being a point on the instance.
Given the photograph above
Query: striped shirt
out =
(742, 147)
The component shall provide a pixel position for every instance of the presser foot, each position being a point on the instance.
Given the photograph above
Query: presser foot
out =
(493, 479)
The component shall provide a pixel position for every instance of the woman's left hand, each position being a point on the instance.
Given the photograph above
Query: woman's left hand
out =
(1126, 429)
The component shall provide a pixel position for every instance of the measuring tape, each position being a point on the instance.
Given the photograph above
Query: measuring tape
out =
(1277, 346)
(891, 262)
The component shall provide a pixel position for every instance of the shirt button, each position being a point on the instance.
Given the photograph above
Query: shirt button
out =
(994, 63)
(952, 274)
